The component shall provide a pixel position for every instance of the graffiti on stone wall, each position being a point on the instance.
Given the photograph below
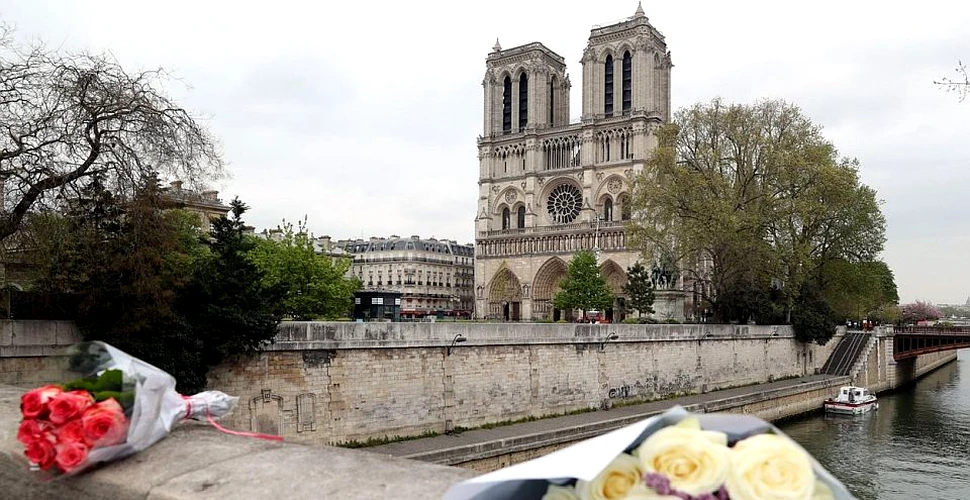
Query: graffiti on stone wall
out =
(305, 412)
(653, 387)
(626, 391)
(266, 413)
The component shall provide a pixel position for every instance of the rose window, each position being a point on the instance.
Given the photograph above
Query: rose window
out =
(564, 204)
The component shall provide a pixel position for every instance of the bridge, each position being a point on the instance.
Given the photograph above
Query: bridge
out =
(909, 342)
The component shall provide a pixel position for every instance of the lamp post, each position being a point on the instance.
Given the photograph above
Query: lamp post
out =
(608, 338)
(458, 339)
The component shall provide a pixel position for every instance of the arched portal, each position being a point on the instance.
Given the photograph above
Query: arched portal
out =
(545, 286)
(505, 296)
(616, 279)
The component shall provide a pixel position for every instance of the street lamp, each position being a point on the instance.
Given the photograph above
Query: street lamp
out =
(608, 338)
(458, 338)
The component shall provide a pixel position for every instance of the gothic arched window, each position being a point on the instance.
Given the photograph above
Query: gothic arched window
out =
(523, 101)
(627, 82)
(521, 217)
(608, 86)
(507, 105)
(608, 210)
(552, 102)
(506, 218)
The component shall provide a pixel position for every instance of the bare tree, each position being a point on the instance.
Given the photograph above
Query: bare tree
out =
(65, 117)
(960, 85)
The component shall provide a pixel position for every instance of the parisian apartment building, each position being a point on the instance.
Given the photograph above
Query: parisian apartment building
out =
(434, 276)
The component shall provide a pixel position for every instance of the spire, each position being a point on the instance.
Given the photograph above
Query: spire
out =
(639, 12)
(497, 47)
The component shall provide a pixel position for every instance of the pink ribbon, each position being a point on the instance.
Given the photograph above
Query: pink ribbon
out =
(208, 416)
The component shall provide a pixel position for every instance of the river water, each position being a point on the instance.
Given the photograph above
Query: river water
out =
(915, 446)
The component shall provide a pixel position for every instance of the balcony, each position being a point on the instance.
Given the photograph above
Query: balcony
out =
(556, 228)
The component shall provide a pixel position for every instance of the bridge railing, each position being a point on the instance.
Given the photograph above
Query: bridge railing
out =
(935, 330)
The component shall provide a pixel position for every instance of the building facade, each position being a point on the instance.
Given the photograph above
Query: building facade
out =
(434, 277)
(549, 186)
(205, 204)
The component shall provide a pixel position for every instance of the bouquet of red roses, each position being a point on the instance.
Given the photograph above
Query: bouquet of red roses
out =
(120, 405)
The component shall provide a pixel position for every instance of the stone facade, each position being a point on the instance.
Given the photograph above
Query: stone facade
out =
(432, 275)
(206, 204)
(550, 186)
(32, 352)
(335, 382)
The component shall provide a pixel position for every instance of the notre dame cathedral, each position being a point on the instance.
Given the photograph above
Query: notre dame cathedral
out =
(549, 186)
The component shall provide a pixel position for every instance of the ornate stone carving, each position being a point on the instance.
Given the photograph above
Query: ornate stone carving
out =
(540, 181)
(628, 173)
(599, 176)
(510, 196)
(523, 184)
(614, 185)
(495, 188)
(579, 175)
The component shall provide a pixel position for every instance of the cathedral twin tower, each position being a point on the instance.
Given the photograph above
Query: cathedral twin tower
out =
(549, 186)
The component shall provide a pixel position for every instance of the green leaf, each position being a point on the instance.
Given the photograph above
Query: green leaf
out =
(110, 380)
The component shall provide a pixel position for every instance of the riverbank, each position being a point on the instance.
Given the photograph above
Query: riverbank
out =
(490, 449)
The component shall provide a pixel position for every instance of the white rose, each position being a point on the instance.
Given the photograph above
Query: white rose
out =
(619, 477)
(770, 467)
(695, 461)
(643, 492)
(556, 492)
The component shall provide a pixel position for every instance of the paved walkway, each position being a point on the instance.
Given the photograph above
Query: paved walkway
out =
(427, 447)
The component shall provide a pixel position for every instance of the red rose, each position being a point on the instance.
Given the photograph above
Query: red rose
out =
(105, 424)
(33, 404)
(70, 455)
(71, 432)
(40, 450)
(69, 405)
(31, 429)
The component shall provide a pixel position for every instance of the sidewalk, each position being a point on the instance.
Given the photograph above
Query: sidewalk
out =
(483, 443)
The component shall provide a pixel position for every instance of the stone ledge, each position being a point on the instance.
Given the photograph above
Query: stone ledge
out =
(487, 449)
(197, 461)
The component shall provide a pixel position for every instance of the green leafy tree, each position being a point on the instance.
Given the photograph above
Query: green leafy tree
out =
(584, 286)
(640, 289)
(812, 319)
(857, 290)
(125, 272)
(228, 306)
(315, 284)
(755, 198)
(152, 284)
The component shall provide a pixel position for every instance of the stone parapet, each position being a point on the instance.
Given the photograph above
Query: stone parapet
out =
(303, 335)
(198, 462)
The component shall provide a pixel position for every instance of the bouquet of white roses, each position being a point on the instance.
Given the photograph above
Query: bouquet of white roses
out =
(674, 456)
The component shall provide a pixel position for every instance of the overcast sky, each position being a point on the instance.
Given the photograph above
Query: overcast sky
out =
(363, 115)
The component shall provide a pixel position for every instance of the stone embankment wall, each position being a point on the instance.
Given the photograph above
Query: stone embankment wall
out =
(31, 352)
(877, 370)
(337, 382)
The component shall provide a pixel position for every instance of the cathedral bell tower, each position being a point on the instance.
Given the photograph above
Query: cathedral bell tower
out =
(526, 87)
(626, 68)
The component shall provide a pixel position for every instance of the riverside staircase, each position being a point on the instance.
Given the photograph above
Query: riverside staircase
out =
(846, 354)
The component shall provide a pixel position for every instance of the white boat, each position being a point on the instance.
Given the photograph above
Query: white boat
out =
(851, 400)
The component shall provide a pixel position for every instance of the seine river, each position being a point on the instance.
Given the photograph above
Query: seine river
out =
(916, 446)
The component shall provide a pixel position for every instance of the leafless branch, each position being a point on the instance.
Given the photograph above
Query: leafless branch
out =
(960, 85)
(65, 117)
